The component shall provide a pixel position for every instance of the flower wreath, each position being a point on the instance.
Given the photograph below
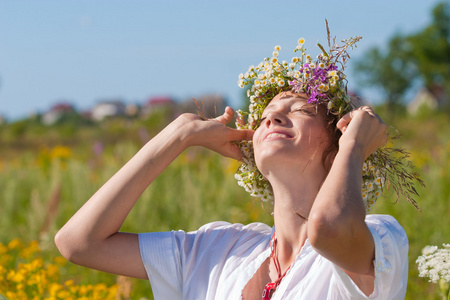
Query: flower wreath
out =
(324, 82)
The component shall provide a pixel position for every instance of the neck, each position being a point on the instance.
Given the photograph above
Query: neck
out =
(294, 196)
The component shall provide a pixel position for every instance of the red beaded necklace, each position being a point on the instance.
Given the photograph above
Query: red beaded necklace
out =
(270, 288)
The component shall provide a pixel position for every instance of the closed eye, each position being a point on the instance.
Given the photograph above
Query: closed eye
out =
(308, 110)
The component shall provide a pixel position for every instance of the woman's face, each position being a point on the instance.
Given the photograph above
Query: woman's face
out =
(291, 131)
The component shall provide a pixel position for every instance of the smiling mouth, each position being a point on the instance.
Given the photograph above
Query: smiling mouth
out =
(274, 135)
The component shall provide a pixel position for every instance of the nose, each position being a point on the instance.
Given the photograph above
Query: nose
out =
(275, 118)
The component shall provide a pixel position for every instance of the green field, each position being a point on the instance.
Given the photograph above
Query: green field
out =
(47, 173)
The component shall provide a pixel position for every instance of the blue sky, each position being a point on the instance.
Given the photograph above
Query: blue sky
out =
(85, 51)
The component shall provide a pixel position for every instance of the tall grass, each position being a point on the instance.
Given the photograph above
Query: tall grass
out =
(40, 189)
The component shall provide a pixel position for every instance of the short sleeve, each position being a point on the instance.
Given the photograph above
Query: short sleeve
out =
(390, 264)
(161, 261)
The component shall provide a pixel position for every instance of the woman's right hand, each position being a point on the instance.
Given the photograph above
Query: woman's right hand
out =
(213, 133)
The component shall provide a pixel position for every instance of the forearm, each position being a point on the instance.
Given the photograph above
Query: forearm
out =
(92, 238)
(336, 226)
(339, 206)
(339, 199)
(104, 213)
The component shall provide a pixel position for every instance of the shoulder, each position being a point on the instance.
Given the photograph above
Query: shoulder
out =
(387, 220)
(211, 235)
(234, 228)
(224, 232)
(390, 262)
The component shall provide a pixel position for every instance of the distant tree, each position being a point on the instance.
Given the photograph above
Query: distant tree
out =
(389, 70)
(430, 48)
(423, 56)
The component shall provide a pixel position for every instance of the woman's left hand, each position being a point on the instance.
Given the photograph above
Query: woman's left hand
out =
(364, 129)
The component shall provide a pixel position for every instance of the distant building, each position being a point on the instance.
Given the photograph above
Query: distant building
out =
(57, 112)
(109, 108)
(431, 98)
(158, 103)
(132, 110)
(209, 105)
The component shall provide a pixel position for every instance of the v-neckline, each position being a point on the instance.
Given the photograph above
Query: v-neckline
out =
(263, 256)
(258, 263)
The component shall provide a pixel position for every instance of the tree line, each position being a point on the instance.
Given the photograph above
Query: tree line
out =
(411, 60)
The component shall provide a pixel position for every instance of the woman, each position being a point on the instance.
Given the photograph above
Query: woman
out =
(324, 246)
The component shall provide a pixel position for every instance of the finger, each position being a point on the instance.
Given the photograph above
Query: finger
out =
(343, 122)
(235, 152)
(237, 135)
(370, 111)
(226, 117)
(240, 120)
(366, 108)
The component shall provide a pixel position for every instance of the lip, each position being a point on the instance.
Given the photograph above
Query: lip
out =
(277, 134)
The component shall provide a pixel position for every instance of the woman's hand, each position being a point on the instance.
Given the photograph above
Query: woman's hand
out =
(214, 134)
(364, 129)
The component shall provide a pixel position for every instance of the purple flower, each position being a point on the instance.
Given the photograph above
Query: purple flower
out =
(315, 96)
(312, 97)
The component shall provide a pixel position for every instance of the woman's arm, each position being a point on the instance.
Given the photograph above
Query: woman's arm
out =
(91, 237)
(336, 226)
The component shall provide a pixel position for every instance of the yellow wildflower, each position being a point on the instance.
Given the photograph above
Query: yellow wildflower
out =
(60, 152)
(60, 260)
(3, 249)
(28, 252)
(15, 244)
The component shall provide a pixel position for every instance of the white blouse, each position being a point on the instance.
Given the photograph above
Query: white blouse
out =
(217, 261)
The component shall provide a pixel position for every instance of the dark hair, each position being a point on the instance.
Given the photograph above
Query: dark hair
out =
(333, 132)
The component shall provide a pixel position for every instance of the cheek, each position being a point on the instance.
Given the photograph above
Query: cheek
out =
(256, 136)
(316, 136)
(323, 138)
(257, 148)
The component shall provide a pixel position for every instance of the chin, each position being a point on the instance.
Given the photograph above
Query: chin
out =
(275, 160)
